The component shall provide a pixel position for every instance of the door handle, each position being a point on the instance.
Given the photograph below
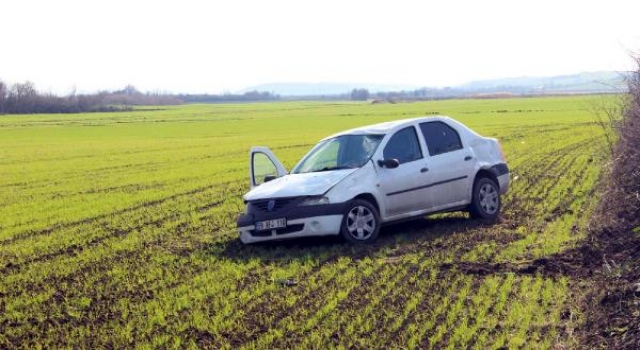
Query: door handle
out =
(424, 170)
(468, 158)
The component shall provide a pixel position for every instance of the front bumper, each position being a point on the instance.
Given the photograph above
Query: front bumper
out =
(302, 221)
(304, 227)
(501, 171)
(504, 182)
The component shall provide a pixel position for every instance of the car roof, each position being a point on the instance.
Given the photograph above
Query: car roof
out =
(386, 127)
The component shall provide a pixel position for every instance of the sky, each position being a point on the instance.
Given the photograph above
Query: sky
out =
(190, 46)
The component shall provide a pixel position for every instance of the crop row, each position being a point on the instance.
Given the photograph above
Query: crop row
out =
(131, 242)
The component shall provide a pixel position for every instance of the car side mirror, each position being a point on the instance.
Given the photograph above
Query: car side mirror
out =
(390, 163)
(268, 178)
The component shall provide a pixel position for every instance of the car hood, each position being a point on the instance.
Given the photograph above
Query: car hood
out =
(294, 185)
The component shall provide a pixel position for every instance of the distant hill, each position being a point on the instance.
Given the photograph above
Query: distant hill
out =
(581, 82)
(587, 82)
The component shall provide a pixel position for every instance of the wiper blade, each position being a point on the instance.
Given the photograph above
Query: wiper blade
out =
(336, 168)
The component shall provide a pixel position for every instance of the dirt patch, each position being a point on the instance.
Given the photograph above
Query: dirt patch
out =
(550, 266)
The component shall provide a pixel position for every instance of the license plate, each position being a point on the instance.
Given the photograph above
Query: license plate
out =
(271, 224)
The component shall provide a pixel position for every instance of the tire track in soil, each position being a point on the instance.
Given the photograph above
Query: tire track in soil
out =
(76, 248)
(497, 324)
(69, 195)
(488, 331)
(394, 302)
(568, 199)
(44, 184)
(543, 266)
(141, 167)
(531, 197)
(357, 300)
(39, 185)
(429, 310)
(535, 289)
(98, 268)
(421, 289)
(517, 192)
(146, 204)
(468, 307)
(289, 310)
(566, 169)
(446, 339)
(48, 184)
(560, 154)
(473, 323)
(288, 338)
(310, 303)
(442, 320)
(506, 328)
(100, 155)
(140, 298)
(204, 155)
(31, 290)
(549, 216)
(459, 237)
(559, 209)
(254, 327)
(28, 232)
(219, 338)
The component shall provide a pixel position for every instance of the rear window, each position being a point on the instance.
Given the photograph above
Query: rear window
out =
(440, 138)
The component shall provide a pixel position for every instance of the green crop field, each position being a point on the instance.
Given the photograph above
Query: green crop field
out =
(118, 230)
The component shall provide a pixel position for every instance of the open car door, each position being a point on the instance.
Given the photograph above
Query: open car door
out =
(263, 166)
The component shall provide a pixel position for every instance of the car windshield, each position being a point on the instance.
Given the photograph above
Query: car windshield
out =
(342, 152)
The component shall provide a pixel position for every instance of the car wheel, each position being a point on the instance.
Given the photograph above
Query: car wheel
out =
(361, 222)
(485, 203)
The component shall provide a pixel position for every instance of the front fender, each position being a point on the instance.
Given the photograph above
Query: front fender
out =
(363, 181)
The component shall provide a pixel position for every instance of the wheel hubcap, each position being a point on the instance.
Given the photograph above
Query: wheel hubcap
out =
(360, 223)
(489, 199)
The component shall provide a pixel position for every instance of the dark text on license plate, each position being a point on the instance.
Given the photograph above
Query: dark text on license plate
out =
(271, 224)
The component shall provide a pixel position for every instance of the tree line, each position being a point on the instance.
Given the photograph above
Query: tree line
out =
(24, 98)
(249, 96)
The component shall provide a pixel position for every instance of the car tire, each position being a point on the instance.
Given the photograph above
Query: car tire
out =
(361, 222)
(485, 202)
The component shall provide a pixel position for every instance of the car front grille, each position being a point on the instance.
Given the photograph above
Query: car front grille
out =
(279, 203)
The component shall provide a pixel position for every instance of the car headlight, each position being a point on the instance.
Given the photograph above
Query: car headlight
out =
(315, 201)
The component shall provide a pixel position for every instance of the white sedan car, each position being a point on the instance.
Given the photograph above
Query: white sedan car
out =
(353, 182)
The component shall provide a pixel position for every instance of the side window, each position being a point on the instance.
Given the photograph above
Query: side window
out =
(262, 167)
(440, 138)
(403, 146)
